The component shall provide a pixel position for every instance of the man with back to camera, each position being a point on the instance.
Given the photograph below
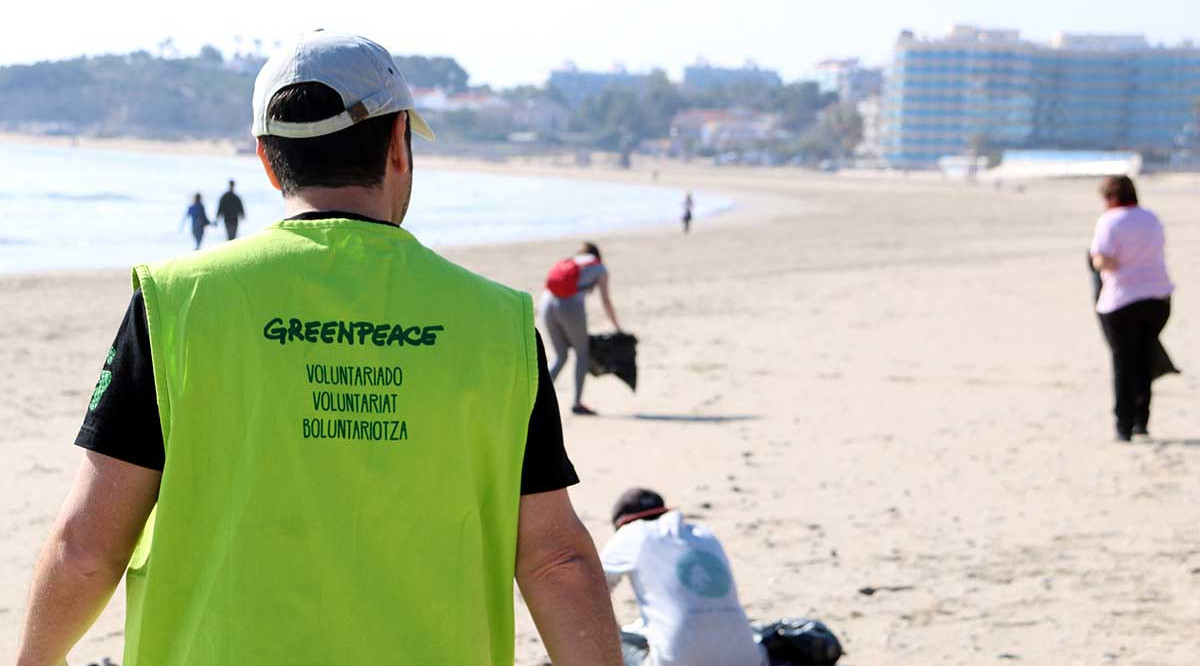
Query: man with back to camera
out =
(690, 612)
(341, 447)
(230, 209)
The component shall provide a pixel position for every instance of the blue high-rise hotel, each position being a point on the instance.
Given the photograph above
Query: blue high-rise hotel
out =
(989, 89)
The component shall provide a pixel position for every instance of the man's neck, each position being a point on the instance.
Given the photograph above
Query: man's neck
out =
(368, 202)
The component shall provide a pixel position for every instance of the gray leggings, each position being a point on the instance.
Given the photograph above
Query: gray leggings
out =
(565, 321)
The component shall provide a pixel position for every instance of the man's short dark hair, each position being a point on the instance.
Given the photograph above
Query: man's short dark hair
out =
(637, 504)
(355, 156)
(1119, 189)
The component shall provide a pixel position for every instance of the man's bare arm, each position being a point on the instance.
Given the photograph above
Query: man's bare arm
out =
(564, 585)
(607, 301)
(85, 556)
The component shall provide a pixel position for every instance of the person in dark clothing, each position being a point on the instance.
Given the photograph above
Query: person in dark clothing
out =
(199, 219)
(1132, 333)
(687, 213)
(231, 210)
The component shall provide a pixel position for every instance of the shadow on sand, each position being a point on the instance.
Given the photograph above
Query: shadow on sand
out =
(691, 418)
(1163, 443)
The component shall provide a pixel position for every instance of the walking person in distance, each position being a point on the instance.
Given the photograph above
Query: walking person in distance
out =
(199, 219)
(1128, 248)
(230, 209)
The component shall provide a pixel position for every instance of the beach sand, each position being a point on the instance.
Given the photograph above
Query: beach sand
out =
(893, 385)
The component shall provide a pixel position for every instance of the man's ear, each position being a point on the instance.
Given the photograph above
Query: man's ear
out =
(262, 157)
(398, 155)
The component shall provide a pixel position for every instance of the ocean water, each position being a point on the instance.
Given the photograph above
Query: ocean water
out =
(68, 208)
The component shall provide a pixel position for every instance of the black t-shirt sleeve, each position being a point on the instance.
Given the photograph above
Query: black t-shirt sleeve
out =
(546, 466)
(122, 418)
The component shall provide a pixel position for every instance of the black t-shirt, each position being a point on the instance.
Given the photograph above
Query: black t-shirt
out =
(122, 419)
(230, 207)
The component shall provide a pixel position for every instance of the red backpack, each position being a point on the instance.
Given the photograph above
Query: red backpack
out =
(563, 280)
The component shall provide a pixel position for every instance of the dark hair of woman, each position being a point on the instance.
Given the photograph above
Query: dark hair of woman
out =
(1119, 190)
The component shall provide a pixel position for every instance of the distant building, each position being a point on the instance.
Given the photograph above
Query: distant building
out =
(848, 78)
(577, 86)
(476, 101)
(1118, 92)
(1110, 43)
(429, 99)
(871, 112)
(990, 89)
(703, 76)
(722, 129)
(543, 116)
(438, 100)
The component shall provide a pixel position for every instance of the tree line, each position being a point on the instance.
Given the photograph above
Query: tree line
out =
(207, 96)
(143, 95)
(814, 122)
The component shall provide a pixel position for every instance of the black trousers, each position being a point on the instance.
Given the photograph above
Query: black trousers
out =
(1132, 334)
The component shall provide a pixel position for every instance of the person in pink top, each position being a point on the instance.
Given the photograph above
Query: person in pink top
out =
(1128, 249)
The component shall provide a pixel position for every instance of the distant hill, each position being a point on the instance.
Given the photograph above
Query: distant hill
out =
(142, 95)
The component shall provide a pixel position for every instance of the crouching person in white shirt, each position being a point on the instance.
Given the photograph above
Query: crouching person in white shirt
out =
(690, 611)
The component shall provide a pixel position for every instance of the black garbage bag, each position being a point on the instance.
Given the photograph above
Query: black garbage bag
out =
(1162, 364)
(614, 353)
(800, 642)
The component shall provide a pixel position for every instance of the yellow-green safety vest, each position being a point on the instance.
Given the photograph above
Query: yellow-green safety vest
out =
(344, 414)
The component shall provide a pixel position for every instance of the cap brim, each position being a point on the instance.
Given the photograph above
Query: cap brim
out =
(627, 518)
(419, 126)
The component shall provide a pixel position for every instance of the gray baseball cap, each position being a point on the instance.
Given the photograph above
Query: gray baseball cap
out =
(361, 71)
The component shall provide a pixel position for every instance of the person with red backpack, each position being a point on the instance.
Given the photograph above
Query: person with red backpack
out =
(564, 314)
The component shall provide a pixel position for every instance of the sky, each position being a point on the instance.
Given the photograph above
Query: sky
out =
(521, 41)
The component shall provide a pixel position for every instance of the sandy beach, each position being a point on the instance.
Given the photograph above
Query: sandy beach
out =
(889, 398)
